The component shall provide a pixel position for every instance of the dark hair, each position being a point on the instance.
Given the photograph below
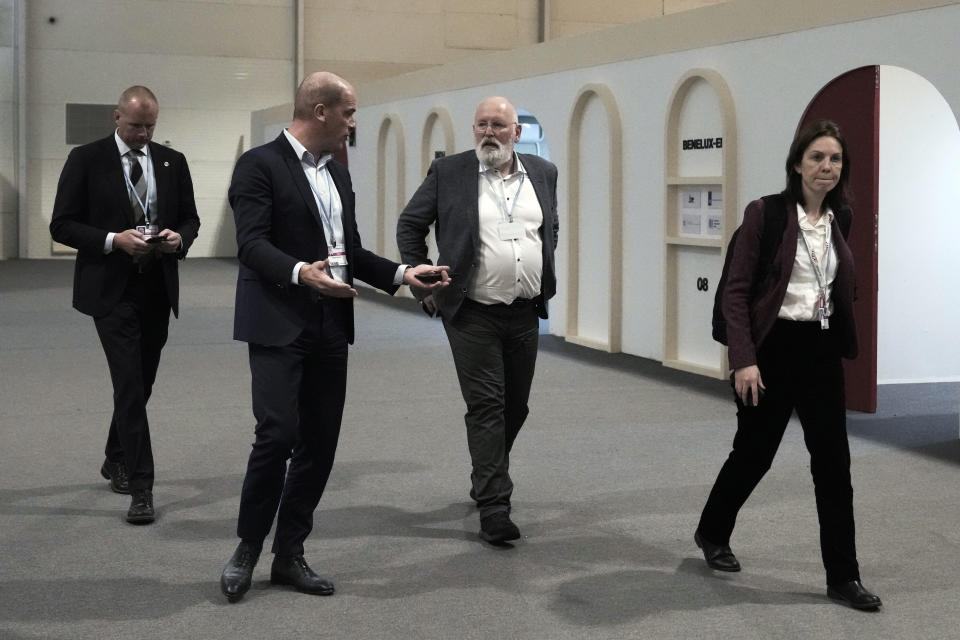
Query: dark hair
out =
(838, 197)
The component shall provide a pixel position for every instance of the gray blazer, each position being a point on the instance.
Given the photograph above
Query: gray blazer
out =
(448, 200)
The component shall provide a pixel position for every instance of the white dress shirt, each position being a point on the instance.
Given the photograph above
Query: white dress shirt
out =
(328, 202)
(803, 290)
(146, 163)
(508, 269)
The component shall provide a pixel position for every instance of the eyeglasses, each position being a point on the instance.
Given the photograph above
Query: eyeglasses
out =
(497, 127)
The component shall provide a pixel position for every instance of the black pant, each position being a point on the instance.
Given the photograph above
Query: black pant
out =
(298, 395)
(802, 371)
(133, 335)
(495, 351)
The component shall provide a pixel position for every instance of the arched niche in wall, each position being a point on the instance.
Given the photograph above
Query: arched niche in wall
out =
(437, 137)
(595, 212)
(700, 215)
(390, 180)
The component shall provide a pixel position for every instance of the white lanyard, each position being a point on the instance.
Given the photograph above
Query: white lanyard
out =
(133, 189)
(823, 316)
(508, 211)
(325, 215)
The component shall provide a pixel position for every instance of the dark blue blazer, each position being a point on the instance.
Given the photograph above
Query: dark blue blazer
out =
(279, 225)
(92, 200)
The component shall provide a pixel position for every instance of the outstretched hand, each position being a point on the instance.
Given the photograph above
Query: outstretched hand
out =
(317, 277)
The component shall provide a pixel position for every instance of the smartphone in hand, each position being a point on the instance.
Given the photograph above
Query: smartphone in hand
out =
(428, 278)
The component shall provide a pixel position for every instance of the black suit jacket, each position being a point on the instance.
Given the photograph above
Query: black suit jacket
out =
(448, 199)
(92, 200)
(279, 225)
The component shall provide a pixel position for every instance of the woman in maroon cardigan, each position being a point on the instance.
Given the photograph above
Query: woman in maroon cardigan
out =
(787, 333)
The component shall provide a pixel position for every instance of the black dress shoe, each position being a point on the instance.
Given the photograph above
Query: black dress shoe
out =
(294, 571)
(854, 594)
(237, 575)
(717, 556)
(141, 507)
(116, 473)
(498, 528)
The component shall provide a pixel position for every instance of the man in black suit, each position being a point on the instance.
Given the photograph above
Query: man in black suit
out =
(299, 252)
(126, 205)
(495, 218)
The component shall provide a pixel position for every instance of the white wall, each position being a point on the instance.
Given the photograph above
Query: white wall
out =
(919, 228)
(772, 79)
(8, 139)
(209, 63)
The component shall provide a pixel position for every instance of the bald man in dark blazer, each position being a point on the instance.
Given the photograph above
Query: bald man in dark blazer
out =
(299, 252)
(128, 245)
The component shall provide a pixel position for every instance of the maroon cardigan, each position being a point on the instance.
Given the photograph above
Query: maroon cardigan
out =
(749, 321)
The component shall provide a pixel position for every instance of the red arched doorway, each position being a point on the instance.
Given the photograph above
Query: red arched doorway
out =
(852, 100)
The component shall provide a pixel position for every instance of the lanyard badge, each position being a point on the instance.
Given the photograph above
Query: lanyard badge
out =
(508, 229)
(822, 314)
(337, 256)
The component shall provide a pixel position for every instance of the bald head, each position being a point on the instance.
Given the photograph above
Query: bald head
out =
(321, 87)
(496, 106)
(136, 94)
(323, 113)
(136, 116)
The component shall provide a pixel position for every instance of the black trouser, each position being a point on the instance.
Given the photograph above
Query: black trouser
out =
(801, 371)
(495, 351)
(298, 396)
(133, 335)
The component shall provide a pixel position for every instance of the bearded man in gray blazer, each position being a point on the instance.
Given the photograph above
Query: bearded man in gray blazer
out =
(494, 213)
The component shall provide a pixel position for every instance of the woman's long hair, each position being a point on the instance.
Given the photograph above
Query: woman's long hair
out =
(838, 197)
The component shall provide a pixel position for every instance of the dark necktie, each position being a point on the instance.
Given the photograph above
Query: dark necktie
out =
(139, 182)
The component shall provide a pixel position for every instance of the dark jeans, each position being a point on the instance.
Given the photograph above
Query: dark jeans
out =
(298, 396)
(801, 371)
(133, 335)
(495, 352)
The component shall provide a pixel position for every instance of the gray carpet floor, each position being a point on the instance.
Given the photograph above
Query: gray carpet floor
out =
(611, 471)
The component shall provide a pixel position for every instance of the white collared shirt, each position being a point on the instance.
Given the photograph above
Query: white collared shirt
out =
(507, 269)
(327, 199)
(803, 291)
(146, 163)
(328, 202)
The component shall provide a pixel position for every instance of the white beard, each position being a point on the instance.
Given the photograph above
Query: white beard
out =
(491, 157)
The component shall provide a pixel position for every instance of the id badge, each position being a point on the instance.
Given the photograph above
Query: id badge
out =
(148, 230)
(510, 230)
(337, 257)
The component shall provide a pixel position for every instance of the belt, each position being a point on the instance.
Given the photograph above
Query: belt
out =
(516, 304)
